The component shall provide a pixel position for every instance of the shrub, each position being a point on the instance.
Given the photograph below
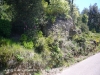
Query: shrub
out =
(56, 48)
(28, 45)
(39, 34)
(23, 38)
(84, 18)
(93, 30)
(41, 45)
(56, 60)
(19, 58)
(5, 42)
(58, 7)
(56, 54)
(14, 52)
(5, 12)
(5, 28)
(38, 73)
(5, 55)
(84, 28)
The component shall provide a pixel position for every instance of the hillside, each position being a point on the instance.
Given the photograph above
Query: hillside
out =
(41, 35)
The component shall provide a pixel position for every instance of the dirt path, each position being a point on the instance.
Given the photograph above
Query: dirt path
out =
(89, 66)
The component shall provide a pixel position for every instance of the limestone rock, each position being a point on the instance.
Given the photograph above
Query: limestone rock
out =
(61, 27)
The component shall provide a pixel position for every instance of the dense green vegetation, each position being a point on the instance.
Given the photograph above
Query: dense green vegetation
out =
(21, 32)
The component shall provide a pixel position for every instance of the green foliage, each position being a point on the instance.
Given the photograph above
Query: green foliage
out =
(75, 14)
(56, 54)
(28, 45)
(84, 28)
(50, 51)
(79, 39)
(41, 45)
(94, 18)
(38, 73)
(5, 42)
(27, 16)
(93, 30)
(84, 18)
(13, 51)
(83, 25)
(46, 51)
(23, 37)
(84, 43)
(55, 47)
(5, 12)
(39, 34)
(52, 18)
(57, 7)
(5, 28)
(19, 58)
(49, 40)
(56, 60)
(5, 54)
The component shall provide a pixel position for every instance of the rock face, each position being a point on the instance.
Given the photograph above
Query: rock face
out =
(61, 27)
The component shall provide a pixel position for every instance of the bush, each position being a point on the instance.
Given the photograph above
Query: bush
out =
(28, 45)
(14, 52)
(23, 38)
(41, 45)
(19, 58)
(58, 7)
(5, 42)
(93, 30)
(37, 73)
(84, 18)
(84, 28)
(5, 28)
(39, 34)
(5, 55)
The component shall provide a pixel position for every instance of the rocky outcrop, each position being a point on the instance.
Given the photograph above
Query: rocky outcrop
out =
(62, 28)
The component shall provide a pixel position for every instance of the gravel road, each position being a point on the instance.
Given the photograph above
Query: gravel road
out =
(89, 66)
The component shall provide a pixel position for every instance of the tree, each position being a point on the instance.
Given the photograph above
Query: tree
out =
(1, 2)
(84, 28)
(76, 14)
(85, 18)
(48, 1)
(58, 7)
(27, 13)
(93, 21)
(85, 11)
(5, 12)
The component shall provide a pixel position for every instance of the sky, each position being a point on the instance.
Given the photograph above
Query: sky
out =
(86, 3)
